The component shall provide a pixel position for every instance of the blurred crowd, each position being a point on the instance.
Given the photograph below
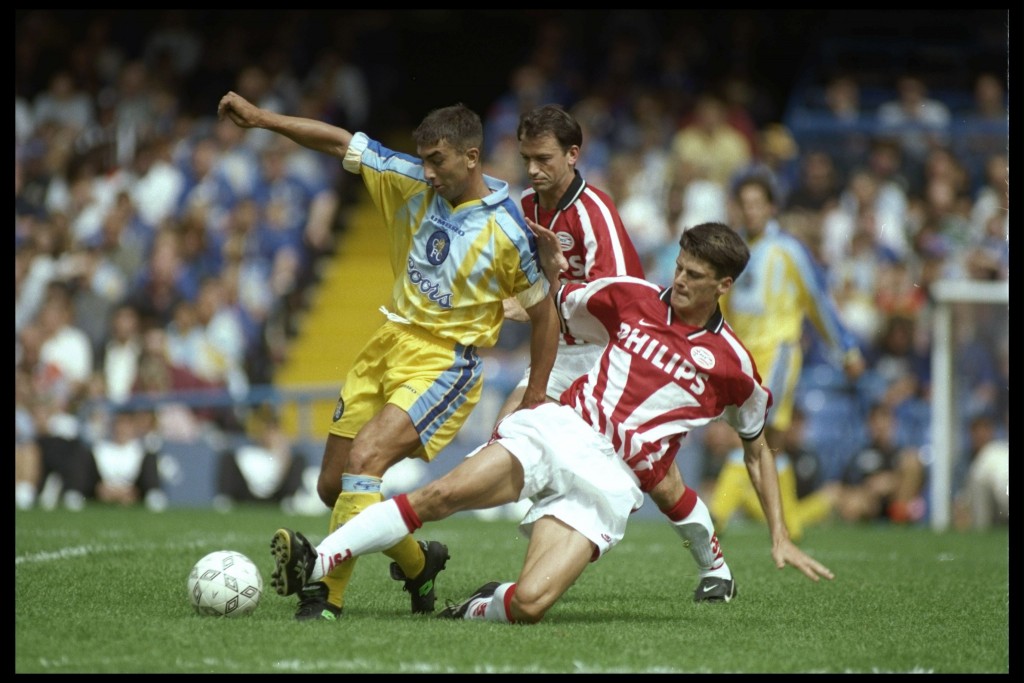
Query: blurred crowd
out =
(159, 250)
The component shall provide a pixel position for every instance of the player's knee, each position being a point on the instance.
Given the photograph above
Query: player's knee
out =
(371, 462)
(328, 491)
(358, 462)
(528, 607)
(529, 603)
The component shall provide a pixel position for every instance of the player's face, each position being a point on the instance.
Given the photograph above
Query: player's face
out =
(755, 209)
(696, 289)
(446, 169)
(548, 166)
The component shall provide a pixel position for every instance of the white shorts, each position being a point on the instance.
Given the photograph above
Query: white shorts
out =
(572, 361)
(571, 473)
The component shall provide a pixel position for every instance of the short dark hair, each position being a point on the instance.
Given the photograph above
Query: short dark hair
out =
(756, 181)
(551, 119)
(718, 245)
(458, 125)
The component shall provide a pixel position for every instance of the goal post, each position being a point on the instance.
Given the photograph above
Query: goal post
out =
(944, 417)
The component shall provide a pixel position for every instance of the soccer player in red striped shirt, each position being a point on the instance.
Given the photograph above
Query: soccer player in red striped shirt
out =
(669, 363)
(590, 232)
(595, 244)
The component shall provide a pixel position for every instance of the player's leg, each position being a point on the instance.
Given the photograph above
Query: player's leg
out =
(323, 599)
(361, 398)
(488, 477)
(691, 520)
(436, 384)
(431, 386)
(382, 441)
(333, 464)
(817, 506)
(582, 494)
(406, 394)
(555, 558)
(492, 476)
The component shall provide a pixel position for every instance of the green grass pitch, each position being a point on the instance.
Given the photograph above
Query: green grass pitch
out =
(103, 591)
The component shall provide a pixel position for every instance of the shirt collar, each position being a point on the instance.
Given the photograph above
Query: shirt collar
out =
(499, 191)
(573, 192)
(714, 323)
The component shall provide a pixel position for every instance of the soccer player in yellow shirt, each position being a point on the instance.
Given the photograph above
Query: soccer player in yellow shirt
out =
(767, 306)
(459, 246)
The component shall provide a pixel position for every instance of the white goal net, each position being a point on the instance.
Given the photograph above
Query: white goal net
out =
(968, 315)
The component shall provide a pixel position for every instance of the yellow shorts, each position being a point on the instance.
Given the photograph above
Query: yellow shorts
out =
(437, 382)
(780, 371)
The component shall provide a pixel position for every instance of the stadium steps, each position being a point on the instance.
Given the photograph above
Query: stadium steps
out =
(341, 316)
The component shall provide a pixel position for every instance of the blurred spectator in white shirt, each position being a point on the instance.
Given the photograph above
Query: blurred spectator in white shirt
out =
(120, 360)
(64, 103)
(984, 500)
(919, 120)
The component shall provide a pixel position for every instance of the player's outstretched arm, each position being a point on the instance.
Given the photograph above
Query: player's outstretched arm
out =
(760, 462)
(315, 135)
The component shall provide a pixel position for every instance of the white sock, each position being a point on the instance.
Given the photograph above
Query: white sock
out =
(24, 495)
(491, 608)
(698, 534)
(376, 528)
(49, 495)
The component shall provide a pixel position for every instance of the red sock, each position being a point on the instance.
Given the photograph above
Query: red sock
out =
(409, 516)
(507, 603)
(683, 506)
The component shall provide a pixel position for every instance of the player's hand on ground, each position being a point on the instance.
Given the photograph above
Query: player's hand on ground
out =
(239, 110)
(785, 552)
(551, 258)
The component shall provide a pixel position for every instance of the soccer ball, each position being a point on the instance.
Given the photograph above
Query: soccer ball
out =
(225, 583)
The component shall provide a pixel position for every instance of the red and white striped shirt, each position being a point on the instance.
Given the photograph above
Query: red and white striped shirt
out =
(658, 378)
(594, 240)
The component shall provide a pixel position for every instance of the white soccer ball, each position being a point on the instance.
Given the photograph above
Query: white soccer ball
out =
(225, 583)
